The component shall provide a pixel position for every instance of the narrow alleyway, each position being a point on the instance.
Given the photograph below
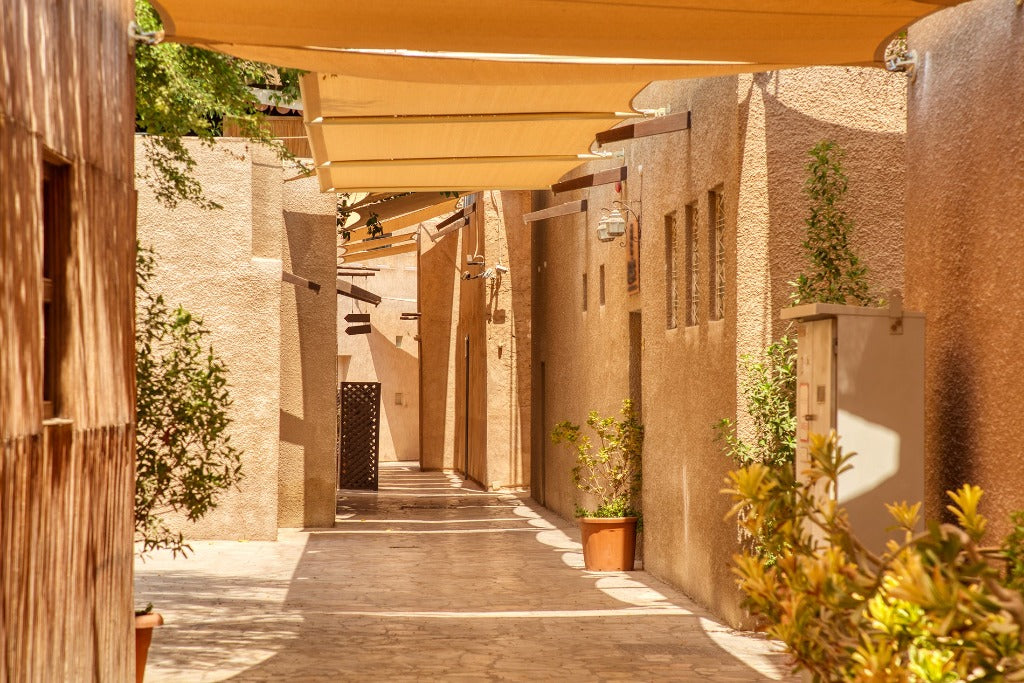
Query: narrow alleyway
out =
(430, 580)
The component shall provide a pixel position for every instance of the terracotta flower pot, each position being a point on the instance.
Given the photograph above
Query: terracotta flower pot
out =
(609, 544)
(144, 626)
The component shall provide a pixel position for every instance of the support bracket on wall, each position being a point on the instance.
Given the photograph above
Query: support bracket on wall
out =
(642, 129)
(299, 281)
(607, 177)
(578, 206)
(358, 293)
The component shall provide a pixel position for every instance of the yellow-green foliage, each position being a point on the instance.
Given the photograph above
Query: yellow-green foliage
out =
(612, 472)
(935, 606)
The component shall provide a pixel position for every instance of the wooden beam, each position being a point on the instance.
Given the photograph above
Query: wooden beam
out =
(391, 245)
(375, 242)
(382, 253)
(350, 290)
(457, 225)
(403, 221)
(612, 175)
(642, 129)
(388, 209)
(553, 211)
(299, 281)
(461, 213)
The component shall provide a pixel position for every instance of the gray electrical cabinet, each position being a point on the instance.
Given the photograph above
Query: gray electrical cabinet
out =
(860, 372)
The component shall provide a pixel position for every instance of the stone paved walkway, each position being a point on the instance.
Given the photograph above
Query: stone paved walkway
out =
(430, 580)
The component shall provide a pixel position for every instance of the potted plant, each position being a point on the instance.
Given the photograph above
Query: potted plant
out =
(184, 456)
(611, 473)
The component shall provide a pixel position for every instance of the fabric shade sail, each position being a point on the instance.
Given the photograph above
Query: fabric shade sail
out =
(756, 31)
(521, 88)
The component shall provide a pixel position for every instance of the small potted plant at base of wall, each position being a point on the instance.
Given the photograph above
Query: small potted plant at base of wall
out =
(610, 473)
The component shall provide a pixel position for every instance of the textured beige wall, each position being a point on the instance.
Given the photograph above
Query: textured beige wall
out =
(215, 264)
(494, 315)
(749, 136)
(377, 357)
(965, 151)
(308, 468)
(440, 348)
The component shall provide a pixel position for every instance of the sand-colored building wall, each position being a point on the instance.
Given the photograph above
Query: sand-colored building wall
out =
(308, 467)
(66, 482)
(478, 422)
(389, 354)
(748, 140)
(965, 152)
(277, 339)
(224, 266)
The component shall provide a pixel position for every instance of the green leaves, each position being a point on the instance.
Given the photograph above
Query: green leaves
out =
(184, 456)
(184, 91)
(936, 607)
(836, 276)
(612, 473)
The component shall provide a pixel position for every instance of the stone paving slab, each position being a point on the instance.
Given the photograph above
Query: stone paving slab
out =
(431, 580)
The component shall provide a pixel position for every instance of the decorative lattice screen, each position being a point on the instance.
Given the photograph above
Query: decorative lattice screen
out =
(358, 434)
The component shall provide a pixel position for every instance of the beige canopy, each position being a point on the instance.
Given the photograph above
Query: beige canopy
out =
(522, 87)
(756, 31)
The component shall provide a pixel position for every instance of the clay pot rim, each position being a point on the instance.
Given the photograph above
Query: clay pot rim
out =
(607, 520)
(151, 620)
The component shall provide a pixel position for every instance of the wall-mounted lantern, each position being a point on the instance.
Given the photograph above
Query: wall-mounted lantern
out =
(613, 225)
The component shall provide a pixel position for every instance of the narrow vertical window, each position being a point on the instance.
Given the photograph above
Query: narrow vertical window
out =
(716, 236)
(56, 236)
(692, 264)
(600, 284)
(584, 292)
(671, 274)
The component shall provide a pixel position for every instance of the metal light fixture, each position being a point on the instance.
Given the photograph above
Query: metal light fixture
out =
(602, 230)
(613, 224)
(616, 224)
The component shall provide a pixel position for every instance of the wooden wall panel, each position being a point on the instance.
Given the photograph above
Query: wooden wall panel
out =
(67, 487)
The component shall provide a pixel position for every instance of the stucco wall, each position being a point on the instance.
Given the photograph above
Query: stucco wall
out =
(749, 137)
(965, 179)
(308, 468)
(494, 315)
(389, 354)
(218, 266)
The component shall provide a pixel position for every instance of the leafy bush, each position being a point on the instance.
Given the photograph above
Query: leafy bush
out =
(612, 473)
(837, 276)
(768, 384)
(184, 456)
(935, 606)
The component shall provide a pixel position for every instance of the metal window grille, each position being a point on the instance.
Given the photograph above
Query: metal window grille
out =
(693, 264)
(718, 227)
(671, 280)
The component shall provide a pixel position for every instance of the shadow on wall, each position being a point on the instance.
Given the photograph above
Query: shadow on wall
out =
(397, 371)
(874, 162)
(437, 272)
(309, 341)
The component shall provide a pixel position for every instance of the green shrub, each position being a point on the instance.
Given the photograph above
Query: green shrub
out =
(612, 472)
(935, 606)
(184, 456)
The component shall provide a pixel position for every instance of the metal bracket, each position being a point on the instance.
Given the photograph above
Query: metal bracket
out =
(136, 33)
(905, 62)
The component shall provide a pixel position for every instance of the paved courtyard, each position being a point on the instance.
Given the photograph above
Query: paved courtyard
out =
(430, 580)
